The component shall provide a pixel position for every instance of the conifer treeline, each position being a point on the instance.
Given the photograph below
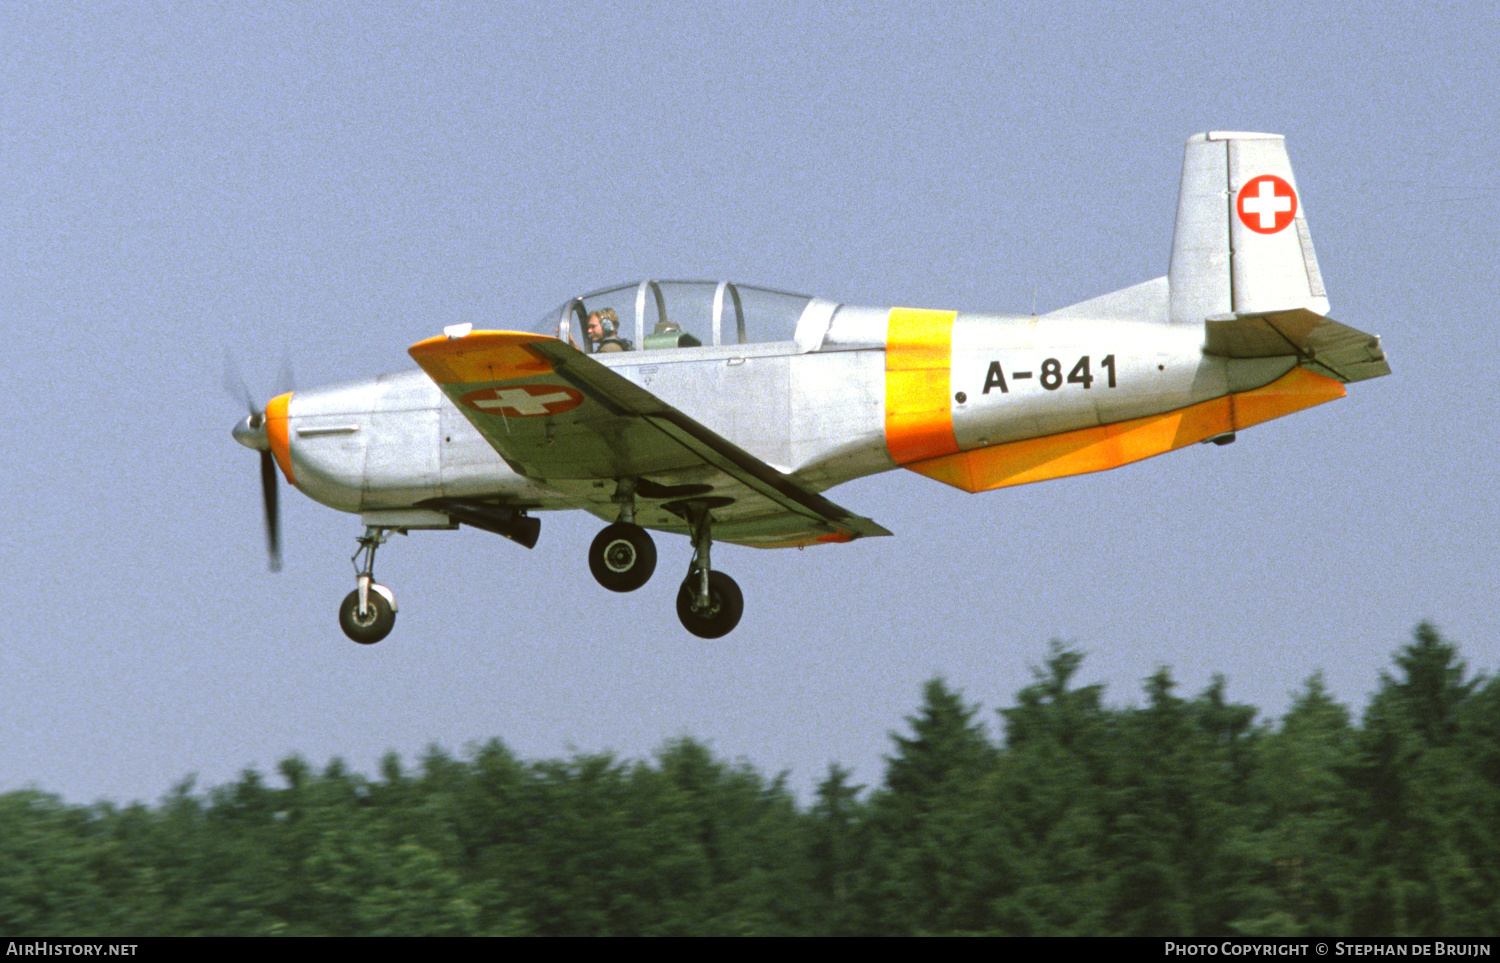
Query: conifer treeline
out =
(1178, 817)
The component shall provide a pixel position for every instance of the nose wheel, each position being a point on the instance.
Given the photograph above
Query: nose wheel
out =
(375, 621)
(368, 613)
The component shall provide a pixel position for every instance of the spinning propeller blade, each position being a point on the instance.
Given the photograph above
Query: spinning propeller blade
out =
(269, 490)
(252, 433)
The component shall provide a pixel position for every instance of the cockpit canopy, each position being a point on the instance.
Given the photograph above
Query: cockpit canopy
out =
(651, 315)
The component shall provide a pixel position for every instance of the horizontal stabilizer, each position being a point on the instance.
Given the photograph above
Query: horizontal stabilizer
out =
(1318, 342)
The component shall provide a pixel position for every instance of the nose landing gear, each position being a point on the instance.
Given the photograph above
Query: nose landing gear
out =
(368, 613)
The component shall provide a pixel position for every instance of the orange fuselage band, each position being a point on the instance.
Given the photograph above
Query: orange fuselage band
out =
(918, 366)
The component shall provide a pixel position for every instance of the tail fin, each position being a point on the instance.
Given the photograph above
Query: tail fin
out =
(1241, 243)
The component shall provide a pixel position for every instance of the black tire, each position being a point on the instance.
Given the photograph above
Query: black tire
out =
(726, 605)
(376, 624)
(622, 557)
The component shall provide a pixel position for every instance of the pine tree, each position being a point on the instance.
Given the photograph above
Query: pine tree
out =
(928, 870)
(1428, 839)
(944, 757)
(1297, 851)
(836, 851)
(1044, 801)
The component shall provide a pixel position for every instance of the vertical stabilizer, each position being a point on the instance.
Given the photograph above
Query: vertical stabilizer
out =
(1241, 243)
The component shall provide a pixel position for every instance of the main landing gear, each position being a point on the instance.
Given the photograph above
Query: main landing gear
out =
(623, 558)
(369, 612)
(709, 603)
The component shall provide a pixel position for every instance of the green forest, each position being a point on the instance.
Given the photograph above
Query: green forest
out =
(1174, 817)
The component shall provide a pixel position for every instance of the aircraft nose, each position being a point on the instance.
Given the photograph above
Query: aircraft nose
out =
(251, 432)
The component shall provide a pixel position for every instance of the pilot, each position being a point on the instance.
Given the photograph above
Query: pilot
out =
(609, 327)
(593, 331)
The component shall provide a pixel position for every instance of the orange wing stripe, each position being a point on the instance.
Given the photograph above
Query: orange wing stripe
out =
(480, 357)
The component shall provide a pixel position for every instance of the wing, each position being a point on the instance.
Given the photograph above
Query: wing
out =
(559, 416)
(1320, 343)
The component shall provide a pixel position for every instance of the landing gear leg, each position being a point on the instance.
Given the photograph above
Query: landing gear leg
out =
(709, 603)
(369, 612)
(623, 556)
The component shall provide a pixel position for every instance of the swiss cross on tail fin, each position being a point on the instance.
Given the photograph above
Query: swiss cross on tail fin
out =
(1266, 204)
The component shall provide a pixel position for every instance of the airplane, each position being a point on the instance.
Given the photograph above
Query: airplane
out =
(723, 412)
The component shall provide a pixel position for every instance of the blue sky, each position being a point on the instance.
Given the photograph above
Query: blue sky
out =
(331, 183)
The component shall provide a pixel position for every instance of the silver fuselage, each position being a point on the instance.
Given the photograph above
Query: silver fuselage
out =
(814, 408)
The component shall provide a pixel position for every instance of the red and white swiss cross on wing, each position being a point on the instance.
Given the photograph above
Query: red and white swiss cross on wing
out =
(1266, 204)
(524, 401)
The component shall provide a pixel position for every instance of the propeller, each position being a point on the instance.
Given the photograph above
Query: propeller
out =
(252, 434)
(269, 490)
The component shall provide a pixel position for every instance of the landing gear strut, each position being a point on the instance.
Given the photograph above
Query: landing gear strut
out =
(623, 556)
(709, 603)
(369, 612)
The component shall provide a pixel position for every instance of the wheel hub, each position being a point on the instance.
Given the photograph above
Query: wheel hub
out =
(619, 556)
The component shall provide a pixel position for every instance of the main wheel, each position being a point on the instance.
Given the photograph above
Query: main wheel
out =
(622, 557)
(371, 627)
(725, 606)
